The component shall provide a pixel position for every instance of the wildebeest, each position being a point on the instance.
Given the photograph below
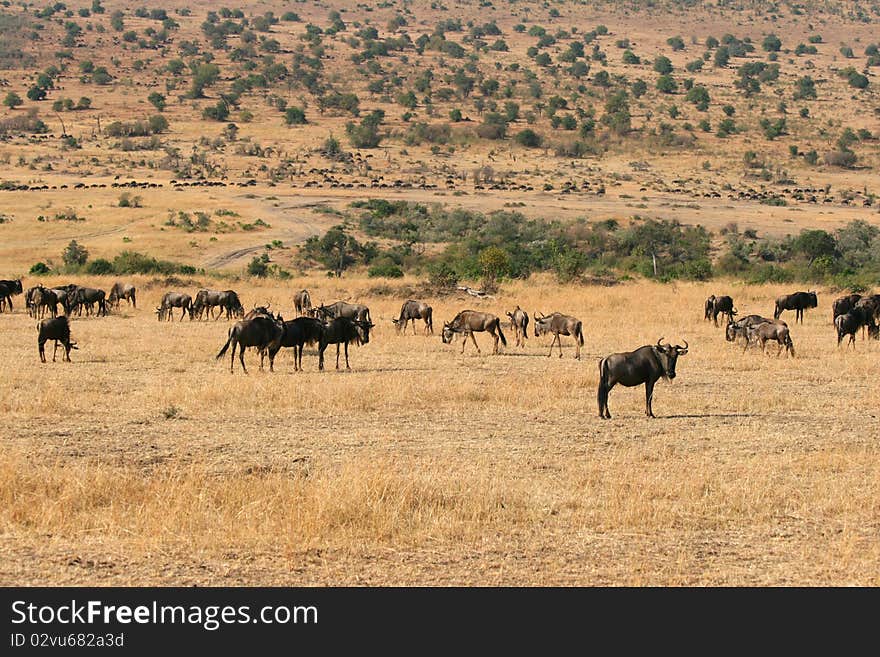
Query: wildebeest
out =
(861, 316)
(298, 333)
(171, 300)
(121, 291)
(57, 329)
(88, 298)
(342, 330)
(722, 305)
(467, 322)
(262, 333)
(559, 324)
(413, 310)
(354, 311)
(302, 303)
(844, 304)
(707, 309)
(519, 322)
(44, 299)
(206, 301)
(259, 310)
(765, 331)
(798, 302)
(231, 304)
(644, 365)
(737, 329)
(9, 288)
(869, 309)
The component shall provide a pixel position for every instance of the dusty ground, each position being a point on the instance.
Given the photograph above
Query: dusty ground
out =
(146, 462)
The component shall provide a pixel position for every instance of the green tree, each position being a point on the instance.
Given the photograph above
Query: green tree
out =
(74, 255)
(771, 43)
(12, 100)
(617, 115)
(663, 65)
(294, 116)
(494, 263)
(204, 75)
(157, 100)
(816, 244)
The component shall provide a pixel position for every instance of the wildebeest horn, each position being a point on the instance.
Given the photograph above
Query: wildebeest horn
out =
(659, 341)
(682, 350)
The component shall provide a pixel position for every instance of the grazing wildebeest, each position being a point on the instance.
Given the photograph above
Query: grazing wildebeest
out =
(44, 299)
(230, 302)
(355, 311)
(263, 333)
(171, 300)
(559, 324)
(298, 333)
(467, 322)
(206, 301)
(798, 302)
(842, 305)
(57, 329)
(775, 330)
(302, 303)
(8, 288)
(342, 330)
(88, 297)
(413, 310)
(707, 309)
(738, 328)
(519, 322)
(121, 291)
(633, 368)
(722, 305)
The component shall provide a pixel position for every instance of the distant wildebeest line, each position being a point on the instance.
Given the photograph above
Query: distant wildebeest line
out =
(799, 301)
(519, 322)
(715, 306)
(411, 311)
(8, 289)
(57, 329)
(632, 368)
(342, 330)
(467, 322)
(354, 311)
(171, 300)
(121, 291)
(302, 303)
(559, 325)
(262, 333)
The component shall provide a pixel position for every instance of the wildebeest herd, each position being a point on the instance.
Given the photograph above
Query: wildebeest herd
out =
(343, 323)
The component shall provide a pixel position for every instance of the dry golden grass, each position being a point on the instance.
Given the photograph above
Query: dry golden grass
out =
(145, 461)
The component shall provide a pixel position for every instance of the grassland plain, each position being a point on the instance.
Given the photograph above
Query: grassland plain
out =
(146, 462)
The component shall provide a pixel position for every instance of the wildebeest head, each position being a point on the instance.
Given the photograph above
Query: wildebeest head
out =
(363, 330)
(730, 331)
(668, 355)
(541, 321)
(448, 333)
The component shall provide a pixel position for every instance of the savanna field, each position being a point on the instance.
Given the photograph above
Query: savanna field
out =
(617, 162)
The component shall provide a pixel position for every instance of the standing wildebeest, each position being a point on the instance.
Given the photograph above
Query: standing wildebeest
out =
(869, 310)
(862, 316)
(707, 309)
(7, 290)
(298, 333)
(722, 305)
(57, 329)
(206, 301)
(644, 365)
(559, 324)
(88, 297)
(775, 330)
(44, 299)
(413, 310)
(467, 322)
(355, 311)
(343, 330)
(842, 305)
(263, 333)
(121, 291)
(519, 322)
(302, 303)
(171, 300)
(797, 302)
(738, 329)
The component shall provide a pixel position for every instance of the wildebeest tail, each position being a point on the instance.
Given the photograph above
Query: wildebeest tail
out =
(501, 334)
(226, 346)
(580, 335)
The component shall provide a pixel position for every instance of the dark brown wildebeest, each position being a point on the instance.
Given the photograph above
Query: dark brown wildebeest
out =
(519, 322)
(848, 324)
(206, 301)
(262, 333)
(738, 329)
(559, 324)
(342, 330)
(633, 368)
(467, 322)
(121, 291)
(799, 301)
(171, 300)
(413, 310)
(88, 298)
(302, 303)
(722, 305)
(231, 304)
(842, 305)
(298, 333)
(707, 308)
(9, 288)
(765, 331)
(44, 299)
(258, 311)
(57, 329)
(354, 311)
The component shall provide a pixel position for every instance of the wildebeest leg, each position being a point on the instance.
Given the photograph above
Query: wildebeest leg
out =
(602, 396)
(321, 349)
(346, 352)
(559, 343)
(551, 345)
(55, 351)
(779, 351)
(241, 349)
(67, 351)
(649, 396)
(41, 345)
(337, 354)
